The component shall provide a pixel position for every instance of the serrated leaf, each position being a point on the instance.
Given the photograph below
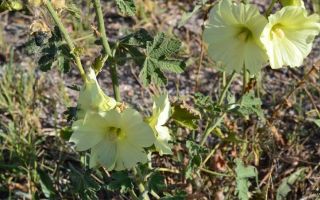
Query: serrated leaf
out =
(286, 183)
(156, 60)
(156, 182)
(185, 116)
(120, 181)
(195, 150)
(126, 7)
(251, 105)
(242, 179)
(137, 39)
(175, 66)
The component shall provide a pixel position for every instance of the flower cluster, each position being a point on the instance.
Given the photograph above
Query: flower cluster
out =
(117, 136)
(239, 36)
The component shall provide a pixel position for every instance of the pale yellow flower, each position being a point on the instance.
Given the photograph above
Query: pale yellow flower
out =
(233, 36)
(289, 35)
(116, 139)
(160, 115)
(92, 98)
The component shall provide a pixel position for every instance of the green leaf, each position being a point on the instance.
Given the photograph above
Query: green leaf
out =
(185, 116)
(156, 182)
(243, 174)
(126, 7)
(45, 62)
(64, 64)
(46, 184)
(251, 105)
(83, 184)
(317, 122)
(195, 150)
(137, 39)
(120, 181)
(286, 183)
(156, 60)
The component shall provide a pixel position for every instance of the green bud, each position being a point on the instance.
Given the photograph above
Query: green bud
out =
(292, 3)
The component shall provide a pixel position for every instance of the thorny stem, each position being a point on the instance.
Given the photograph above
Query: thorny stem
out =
(107, 50)
(67, 38)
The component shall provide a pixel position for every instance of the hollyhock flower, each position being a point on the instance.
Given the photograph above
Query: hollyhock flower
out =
(233, 36)
(289, 35)
(116, 139)
(160, 115)
(92, 97)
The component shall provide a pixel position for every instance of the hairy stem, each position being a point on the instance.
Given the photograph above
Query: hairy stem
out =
(115, 82)
(107, 50)
(66, 36)
(226, 87)
(101, 27)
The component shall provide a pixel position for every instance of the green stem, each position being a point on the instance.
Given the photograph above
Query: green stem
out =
(107, 50)
(142, 189)
(213, 173)
(115, 82)
(101, 27)
(226, 87)
(245, 79)
(66, 36)
(269, 10)
(212, 126)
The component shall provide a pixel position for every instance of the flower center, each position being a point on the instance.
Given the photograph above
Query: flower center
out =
(277, 31)
(115, 133)
(244, 34)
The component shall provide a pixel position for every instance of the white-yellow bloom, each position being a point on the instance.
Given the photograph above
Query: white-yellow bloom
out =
(289, 35)
(160, 115)
(92, 98)
(233, 36)
(116, 139)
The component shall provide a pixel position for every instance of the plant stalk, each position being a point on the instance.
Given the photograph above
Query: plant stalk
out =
(107, 50)
(115, 82)
(226, 87)
(67, 38)
(269, 10)
(101, 27)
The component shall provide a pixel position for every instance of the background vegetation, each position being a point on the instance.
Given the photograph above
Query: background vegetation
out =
(269, 145)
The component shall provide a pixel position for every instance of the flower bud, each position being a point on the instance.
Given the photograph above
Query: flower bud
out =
(292, 3)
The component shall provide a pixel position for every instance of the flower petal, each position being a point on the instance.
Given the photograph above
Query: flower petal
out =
(105, 153)
(129, 155)
(289, 35)
(85, 134)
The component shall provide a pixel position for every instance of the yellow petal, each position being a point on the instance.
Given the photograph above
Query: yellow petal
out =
(233, 36)
(289, 35)
(92, 97)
